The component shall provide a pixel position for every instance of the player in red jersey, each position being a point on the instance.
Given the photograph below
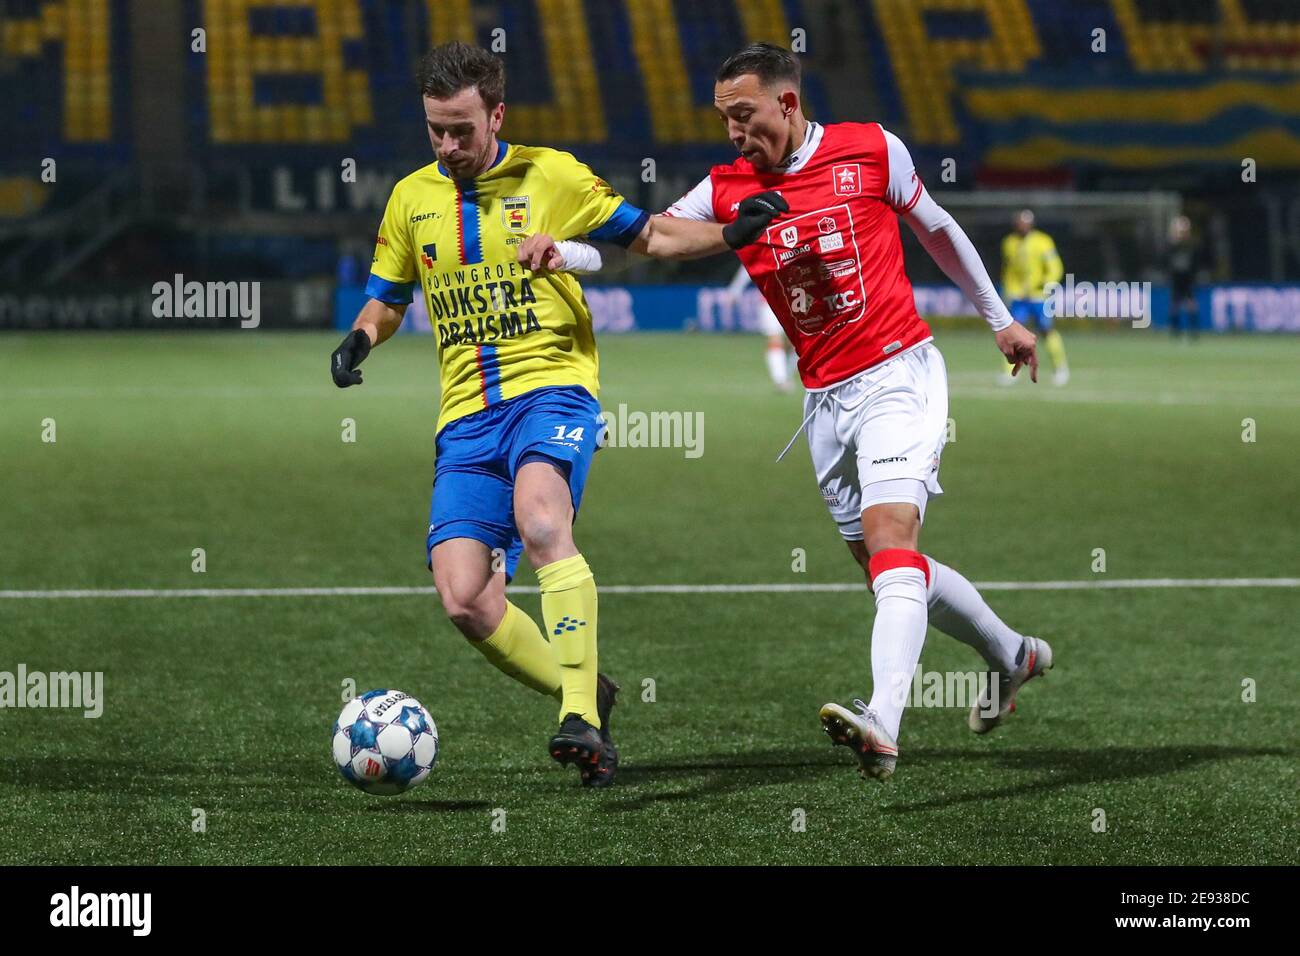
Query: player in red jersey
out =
(876, 409)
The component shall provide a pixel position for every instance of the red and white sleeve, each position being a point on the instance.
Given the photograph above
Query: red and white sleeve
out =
(696, 204)
(904, 189)
(945, 241)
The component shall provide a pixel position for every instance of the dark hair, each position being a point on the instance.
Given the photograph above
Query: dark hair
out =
(447, 69)
(765, 60)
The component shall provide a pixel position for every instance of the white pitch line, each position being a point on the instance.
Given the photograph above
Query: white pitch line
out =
(1101, 584)
(1081, 397)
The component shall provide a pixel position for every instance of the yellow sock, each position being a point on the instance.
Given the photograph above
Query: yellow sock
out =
(518, 649)
(569, 609)
(1055, 348)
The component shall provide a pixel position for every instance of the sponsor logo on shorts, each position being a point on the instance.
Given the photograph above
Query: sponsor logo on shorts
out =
(831, 495)
(889, 461)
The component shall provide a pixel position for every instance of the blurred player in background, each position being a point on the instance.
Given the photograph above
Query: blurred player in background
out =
(1030, 263)
(1183, 262)
(876, 407)
(519, 421)
(778, 351)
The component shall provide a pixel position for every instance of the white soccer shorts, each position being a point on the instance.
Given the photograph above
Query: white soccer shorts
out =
(877, 437)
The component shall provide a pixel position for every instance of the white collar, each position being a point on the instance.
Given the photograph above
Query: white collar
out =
(812, 138)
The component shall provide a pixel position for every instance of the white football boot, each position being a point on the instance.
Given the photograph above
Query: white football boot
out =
(1037, 660)
(877, 751)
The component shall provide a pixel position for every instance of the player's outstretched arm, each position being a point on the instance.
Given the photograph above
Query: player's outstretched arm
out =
(542, 253)
(671, 237)
(665, 237)
(954, 253)
(376, 322)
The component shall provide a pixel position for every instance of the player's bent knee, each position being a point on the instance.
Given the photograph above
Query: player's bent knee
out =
(546, 531)
(893, 559)
(472, 608)
(473, 617)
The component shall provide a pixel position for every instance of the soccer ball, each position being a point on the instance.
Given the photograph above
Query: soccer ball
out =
(385, 742)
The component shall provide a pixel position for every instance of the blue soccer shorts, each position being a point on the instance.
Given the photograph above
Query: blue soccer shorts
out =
(479, 455)
(1029, 311)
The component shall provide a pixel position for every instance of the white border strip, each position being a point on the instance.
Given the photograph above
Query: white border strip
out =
(1099, 584)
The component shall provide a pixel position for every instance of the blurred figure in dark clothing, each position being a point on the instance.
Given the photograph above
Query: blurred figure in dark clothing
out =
(1183, 262)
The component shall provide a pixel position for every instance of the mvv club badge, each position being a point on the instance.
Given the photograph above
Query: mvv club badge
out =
(516, 213)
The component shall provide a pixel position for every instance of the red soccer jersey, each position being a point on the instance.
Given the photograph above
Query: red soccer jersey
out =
(832, 267)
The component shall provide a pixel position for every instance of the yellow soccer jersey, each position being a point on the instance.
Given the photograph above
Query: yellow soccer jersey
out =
(502, 330)
(1029, 264)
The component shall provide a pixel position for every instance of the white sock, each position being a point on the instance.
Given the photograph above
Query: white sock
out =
(896, 641)
(776, 366)
(957, 609)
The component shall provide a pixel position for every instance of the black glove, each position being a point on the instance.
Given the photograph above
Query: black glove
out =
(346, 358)
(753, 217)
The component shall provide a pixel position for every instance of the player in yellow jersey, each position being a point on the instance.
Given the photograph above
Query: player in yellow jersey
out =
(1030, 263)
(519, 421)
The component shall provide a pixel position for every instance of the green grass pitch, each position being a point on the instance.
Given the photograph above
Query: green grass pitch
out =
(232, 443)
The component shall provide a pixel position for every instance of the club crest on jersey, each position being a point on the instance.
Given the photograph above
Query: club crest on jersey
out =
(847, 178)
(516, 213)
(790, 236)
(430, 254)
